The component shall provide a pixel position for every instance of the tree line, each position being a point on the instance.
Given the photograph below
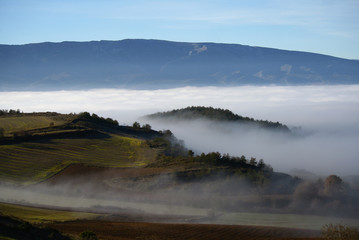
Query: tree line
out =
(216, 114)
(10, 112)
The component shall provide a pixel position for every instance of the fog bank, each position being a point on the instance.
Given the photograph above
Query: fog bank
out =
(329, 113)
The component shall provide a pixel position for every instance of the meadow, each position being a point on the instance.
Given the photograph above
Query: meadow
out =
(17, 123)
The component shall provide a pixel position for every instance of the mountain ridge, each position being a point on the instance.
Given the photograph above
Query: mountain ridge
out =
(153, 64)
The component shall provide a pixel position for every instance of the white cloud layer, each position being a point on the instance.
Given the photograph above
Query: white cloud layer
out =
(331, 112)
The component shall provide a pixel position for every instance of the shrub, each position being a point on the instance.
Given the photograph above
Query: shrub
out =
(88, 235)
(339, 232)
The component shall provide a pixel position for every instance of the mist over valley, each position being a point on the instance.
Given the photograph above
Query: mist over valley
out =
(212, 151)
(326, 117)
(158, 120)
(173, 186)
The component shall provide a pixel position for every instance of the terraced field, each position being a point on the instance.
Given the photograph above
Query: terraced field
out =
(35, 161)
(12, 124)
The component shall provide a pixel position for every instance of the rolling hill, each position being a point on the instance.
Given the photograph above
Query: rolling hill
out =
(38, 145)
(153, 64)
(216, 115)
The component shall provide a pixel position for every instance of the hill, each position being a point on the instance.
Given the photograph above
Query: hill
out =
(91, 162)
(34, 155)
(30, 154)
(215, 114)
(153, 64)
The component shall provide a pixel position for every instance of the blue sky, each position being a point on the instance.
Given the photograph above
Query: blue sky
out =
(322, 26)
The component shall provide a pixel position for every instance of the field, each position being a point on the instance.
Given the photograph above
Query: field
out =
(36, 161)
(124, 227)
(42, 215)
(12, 124)
(298, 221)
(160, 231)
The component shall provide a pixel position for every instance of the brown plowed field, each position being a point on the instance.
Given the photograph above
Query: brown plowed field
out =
(108, 230)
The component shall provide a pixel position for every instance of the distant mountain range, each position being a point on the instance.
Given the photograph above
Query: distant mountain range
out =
(153, 64)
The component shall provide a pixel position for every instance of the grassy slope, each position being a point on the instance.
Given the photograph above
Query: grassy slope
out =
(34, 161)
(16, 123)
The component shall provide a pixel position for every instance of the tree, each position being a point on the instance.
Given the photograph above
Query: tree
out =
(305, 193)
(136, 125)
(333, 186)
(190, 153)
(88, 235)
(147, 127)
(261, 165)
(253, 161)
(339, 232)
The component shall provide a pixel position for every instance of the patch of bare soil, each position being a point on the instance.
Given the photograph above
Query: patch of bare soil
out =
(110, 230)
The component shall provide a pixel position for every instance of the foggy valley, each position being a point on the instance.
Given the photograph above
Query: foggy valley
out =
(326, 117)
(172, 120)
(319, 144)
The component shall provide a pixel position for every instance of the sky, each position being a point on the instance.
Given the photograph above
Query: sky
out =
(321, 26)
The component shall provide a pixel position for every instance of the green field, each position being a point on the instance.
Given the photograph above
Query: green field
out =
(41, 215)
(35, 161)
(12, 124)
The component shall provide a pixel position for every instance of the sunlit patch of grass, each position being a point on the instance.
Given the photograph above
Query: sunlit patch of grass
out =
(23, 123)
(36, 161)
(41, 215)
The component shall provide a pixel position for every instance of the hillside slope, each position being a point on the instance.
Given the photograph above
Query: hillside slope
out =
(152, 64)
(34, 154)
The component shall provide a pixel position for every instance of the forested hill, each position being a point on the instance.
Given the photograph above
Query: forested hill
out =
(215, 114)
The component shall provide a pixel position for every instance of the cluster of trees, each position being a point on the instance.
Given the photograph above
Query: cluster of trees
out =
(137, 126)
(339, 232)
(175, 153)
(10, 112)
(172, 148)
(255, 171)
(217, 159)
(332, 194)
(216, 114)
(85, 116)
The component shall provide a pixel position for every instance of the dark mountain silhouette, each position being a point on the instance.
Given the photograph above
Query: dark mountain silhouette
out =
(151, 64)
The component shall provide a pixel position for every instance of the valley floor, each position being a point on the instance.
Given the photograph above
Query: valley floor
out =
(157, 231)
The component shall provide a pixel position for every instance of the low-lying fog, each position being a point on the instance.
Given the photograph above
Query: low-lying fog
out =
(328, 115)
